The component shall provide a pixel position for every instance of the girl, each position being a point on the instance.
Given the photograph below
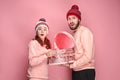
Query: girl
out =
(39, 51)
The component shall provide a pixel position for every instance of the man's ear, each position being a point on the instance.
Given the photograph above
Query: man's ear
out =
(79, 21)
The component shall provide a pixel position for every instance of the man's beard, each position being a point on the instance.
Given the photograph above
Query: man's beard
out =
(74, 28)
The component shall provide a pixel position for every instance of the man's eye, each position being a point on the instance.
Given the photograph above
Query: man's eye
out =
(69, 18)
(73, 17)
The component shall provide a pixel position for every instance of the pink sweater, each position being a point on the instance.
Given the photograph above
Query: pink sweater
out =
(84, 52)
(38, 67)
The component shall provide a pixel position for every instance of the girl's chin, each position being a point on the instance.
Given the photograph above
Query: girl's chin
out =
(42, 37)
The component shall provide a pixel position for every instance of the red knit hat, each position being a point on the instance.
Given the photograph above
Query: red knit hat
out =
(74, 11)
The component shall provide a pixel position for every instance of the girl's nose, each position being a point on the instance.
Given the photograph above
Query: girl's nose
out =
(42, 30)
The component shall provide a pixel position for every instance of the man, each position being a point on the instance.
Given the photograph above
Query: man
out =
(83, 66)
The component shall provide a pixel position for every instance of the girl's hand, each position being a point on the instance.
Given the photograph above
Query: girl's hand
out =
(51, 53)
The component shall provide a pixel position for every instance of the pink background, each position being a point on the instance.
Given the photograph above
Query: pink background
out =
(17, 21)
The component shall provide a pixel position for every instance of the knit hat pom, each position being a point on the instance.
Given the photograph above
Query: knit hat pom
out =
(75, 7)
(42, 19)
(74, 11)
(41, 22)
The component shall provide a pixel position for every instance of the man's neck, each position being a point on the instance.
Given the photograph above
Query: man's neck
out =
(77, 29)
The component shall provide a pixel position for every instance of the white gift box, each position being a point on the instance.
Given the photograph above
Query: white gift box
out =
(63, 44)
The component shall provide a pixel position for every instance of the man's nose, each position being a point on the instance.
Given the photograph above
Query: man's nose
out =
(71, 20)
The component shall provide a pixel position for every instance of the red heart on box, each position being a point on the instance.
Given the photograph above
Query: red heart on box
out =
(64, 40)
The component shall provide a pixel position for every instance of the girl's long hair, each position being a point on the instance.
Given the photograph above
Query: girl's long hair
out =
(46, 42)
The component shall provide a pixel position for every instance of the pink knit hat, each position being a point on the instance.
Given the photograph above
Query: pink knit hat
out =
(74, 11)
(41, 22)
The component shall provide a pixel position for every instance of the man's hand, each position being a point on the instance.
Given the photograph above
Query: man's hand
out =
(69, 50)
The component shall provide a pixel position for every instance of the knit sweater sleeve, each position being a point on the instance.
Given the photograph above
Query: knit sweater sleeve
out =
(36, 56)
(87, 45)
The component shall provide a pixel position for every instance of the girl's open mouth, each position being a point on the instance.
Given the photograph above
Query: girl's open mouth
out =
(42, 34)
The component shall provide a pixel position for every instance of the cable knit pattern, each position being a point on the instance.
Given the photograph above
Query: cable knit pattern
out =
(38, 67)
(84, 55)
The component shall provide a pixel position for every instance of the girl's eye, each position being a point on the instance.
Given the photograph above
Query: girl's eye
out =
(44, 29)
(39, 29)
